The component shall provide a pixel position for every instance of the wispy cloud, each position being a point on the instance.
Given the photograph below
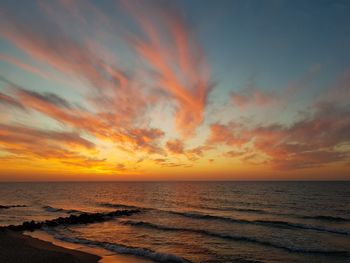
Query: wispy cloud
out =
(33, 144)
(116, 102)
(254, 97)
(10, 101)
(29, 68)
(172, 51)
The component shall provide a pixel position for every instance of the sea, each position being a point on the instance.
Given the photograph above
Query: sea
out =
(194, 221)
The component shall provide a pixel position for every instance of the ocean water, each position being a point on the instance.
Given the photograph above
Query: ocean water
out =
(196, 221)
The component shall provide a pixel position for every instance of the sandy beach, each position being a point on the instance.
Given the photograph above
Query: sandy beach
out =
(105, 256)
(18, 248)
(39, 247)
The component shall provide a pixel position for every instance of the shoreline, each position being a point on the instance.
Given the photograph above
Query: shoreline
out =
(17, 248)
(40, 247)
(105, 255)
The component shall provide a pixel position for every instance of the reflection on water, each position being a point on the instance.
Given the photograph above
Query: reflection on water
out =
(197, 221)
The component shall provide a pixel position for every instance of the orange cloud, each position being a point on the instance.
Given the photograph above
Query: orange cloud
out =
(101, 125)
(310, 142)
(176, 146)
(181, 70)
(13, 134)
(228, 134)
(118, 104)
(26, 143)
(142, 139)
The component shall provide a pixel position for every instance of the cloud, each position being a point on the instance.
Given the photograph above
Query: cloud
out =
(86, 162)
(20, 134)
(175, 146)
(54, 48)
(10, 101)
(228, 134)
(159, 160)
(234, 153)
(171, 50)
(29, 68)
(101, 125)
(48, 97)
(314, 140)
(121, 167)
(60, 110)
(143, 139)
(27, 143)
(252, 96)
(111, 88)
(197, 152)
(117, 103)
(165, 163)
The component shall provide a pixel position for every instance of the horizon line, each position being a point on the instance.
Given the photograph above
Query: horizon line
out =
(164, 181)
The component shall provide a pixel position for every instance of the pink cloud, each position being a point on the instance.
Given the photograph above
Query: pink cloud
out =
(10, 101)
(177, 58)
(24, 66)
(310, 142)
(228, 134)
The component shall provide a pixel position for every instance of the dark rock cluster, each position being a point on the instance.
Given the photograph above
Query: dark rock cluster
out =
(84, 218)
(11, 206)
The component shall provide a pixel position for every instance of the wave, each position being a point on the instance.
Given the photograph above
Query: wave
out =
(270, 223)
(284, 224)
(206, 216)
(11, 206)
(328, 218)
(250, 210)
(236, 238)
(237, 209)
(277, 224)
(54, 209)
(122, 249)
(112, 205)
(84, 218)
(265, 212)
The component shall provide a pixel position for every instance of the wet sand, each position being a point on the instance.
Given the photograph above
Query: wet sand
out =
(106, 256)
(18, 248)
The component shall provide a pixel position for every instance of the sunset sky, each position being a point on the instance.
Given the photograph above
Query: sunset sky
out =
(165, 90)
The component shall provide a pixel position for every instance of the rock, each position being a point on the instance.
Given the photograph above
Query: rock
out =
(84, 218)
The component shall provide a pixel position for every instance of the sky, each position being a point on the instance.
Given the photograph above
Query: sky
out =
(174, 90)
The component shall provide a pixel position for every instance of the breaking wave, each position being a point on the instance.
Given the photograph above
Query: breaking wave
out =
(122, 249)
(236, 238)
(54, 209)
(269, 223)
